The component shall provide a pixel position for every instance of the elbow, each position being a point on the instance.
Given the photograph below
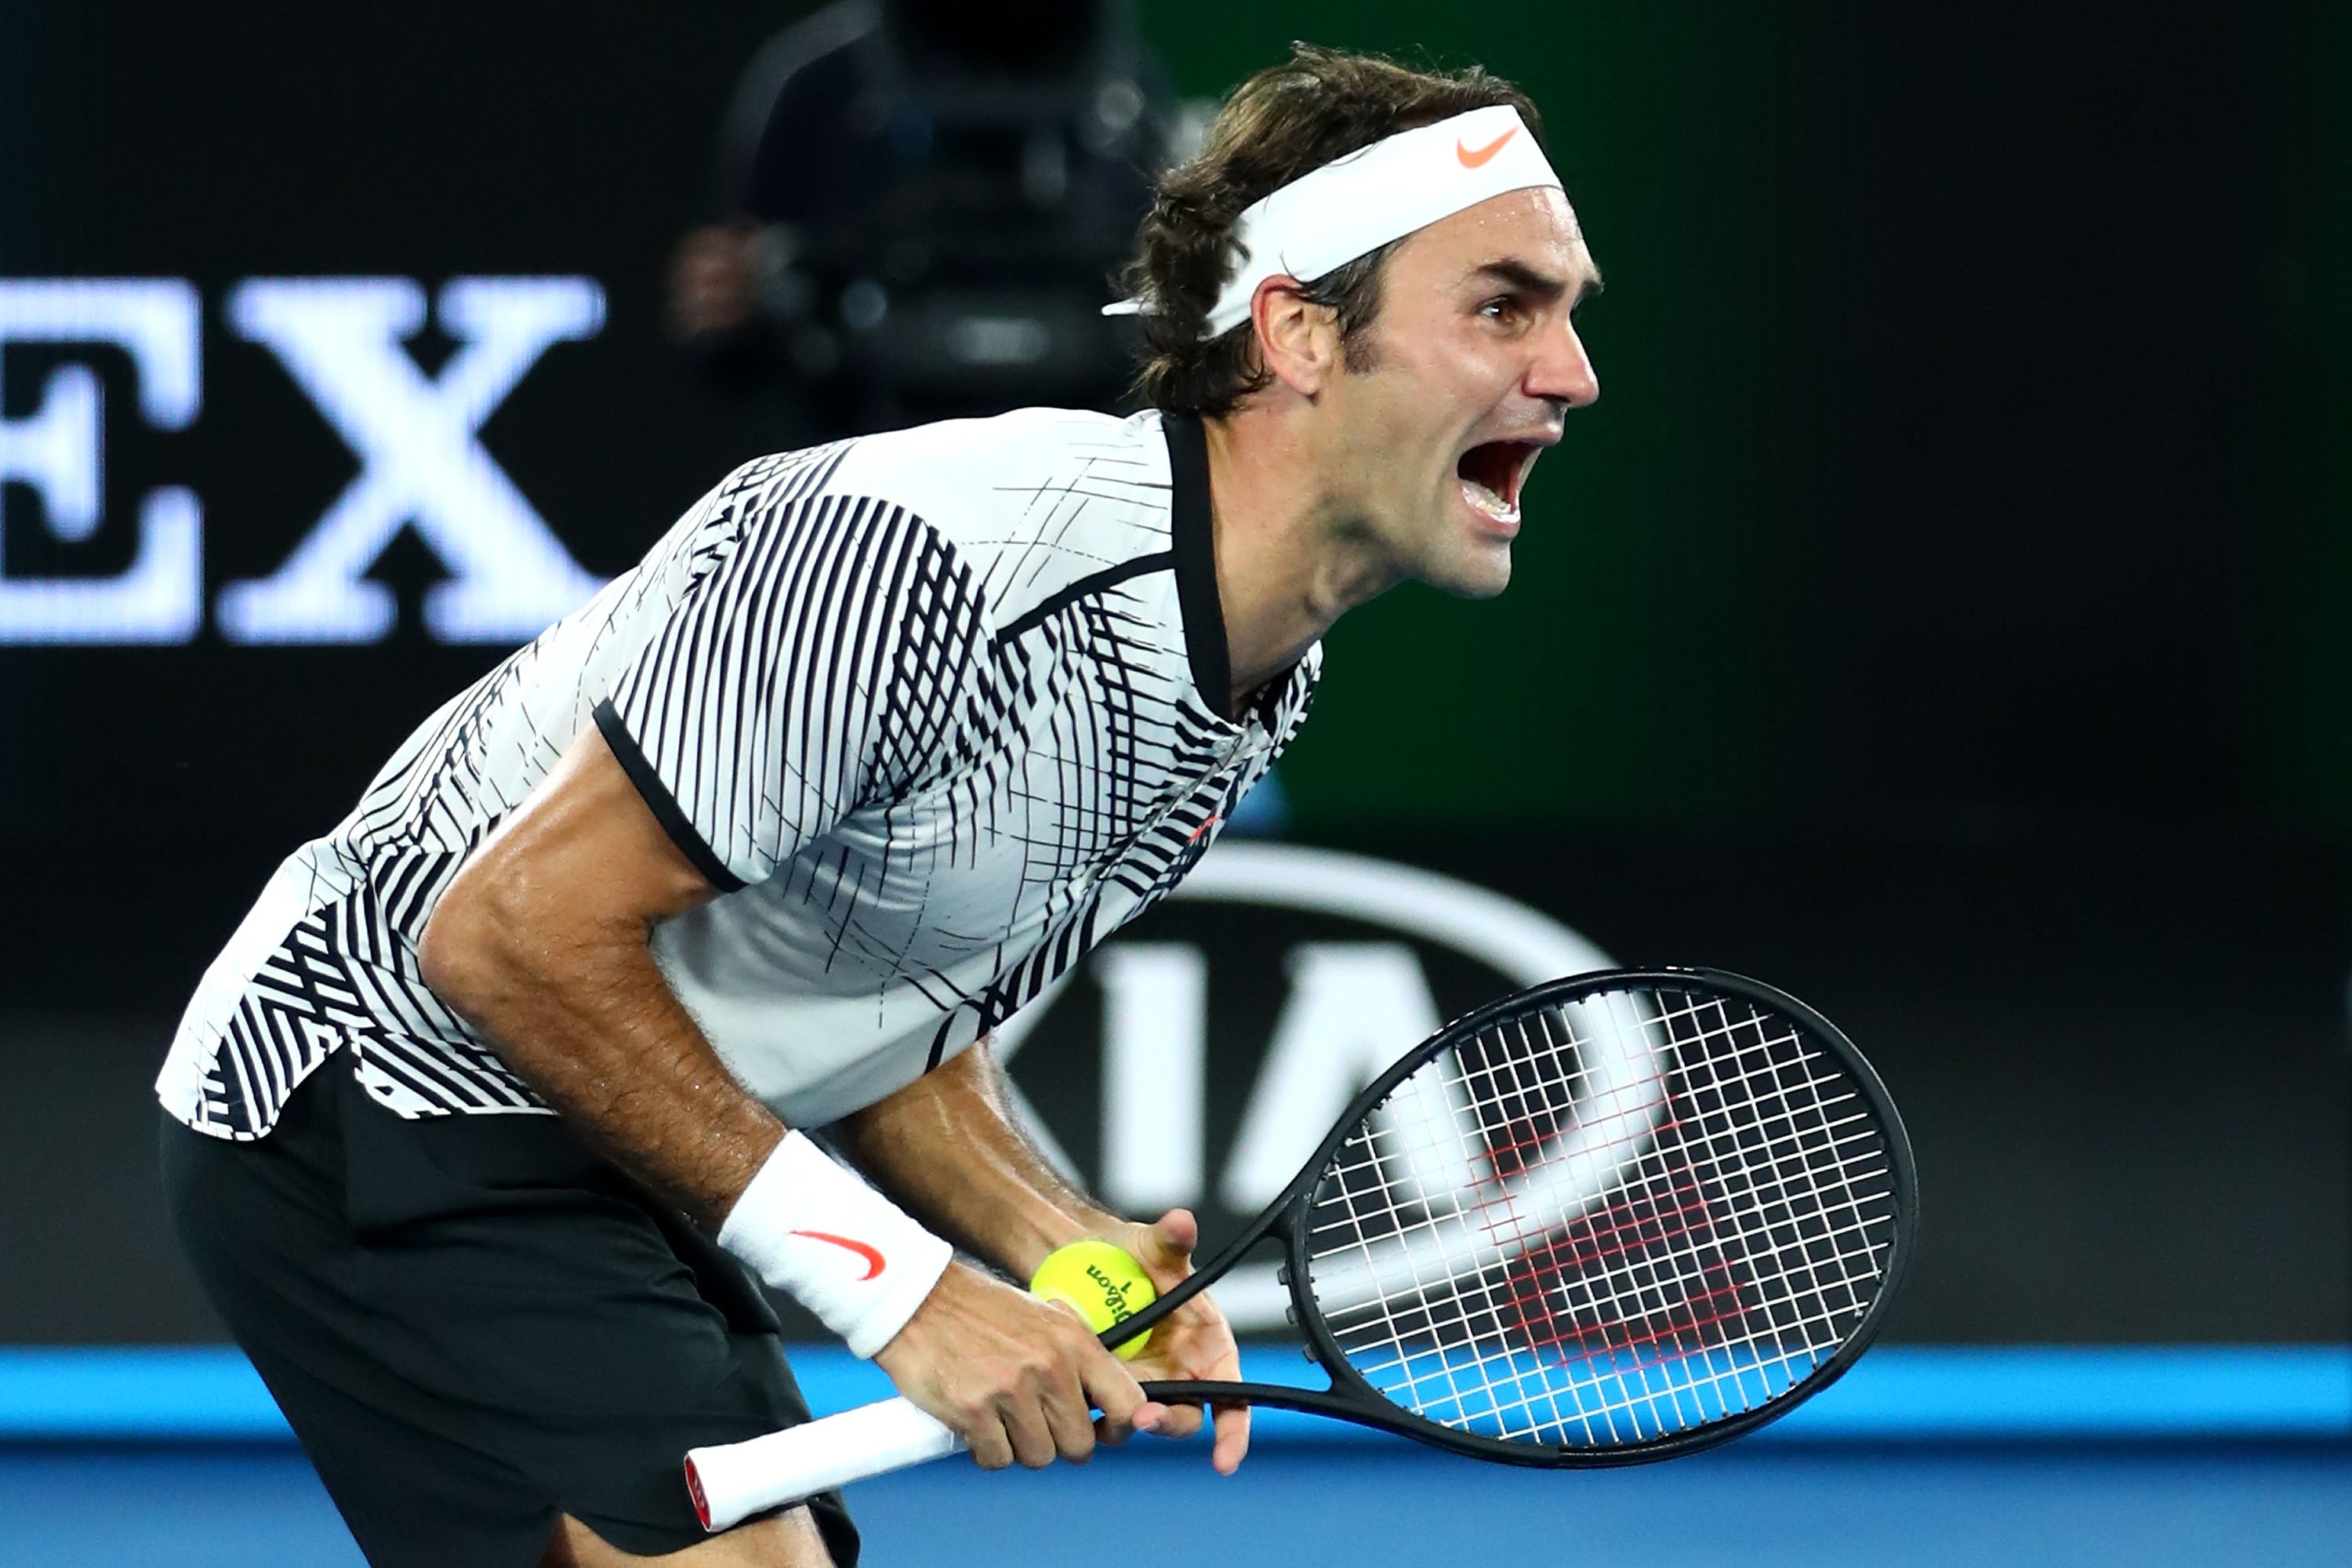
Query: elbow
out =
(456, 954)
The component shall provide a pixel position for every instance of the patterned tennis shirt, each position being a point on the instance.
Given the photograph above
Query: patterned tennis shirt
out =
(936, 710)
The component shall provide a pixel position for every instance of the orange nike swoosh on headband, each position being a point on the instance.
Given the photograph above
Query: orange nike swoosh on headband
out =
(1472, 160)
(874, 1264)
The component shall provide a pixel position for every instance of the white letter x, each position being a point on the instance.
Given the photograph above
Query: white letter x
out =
(421, 464)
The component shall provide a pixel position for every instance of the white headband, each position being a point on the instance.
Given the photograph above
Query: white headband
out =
(1354, 204)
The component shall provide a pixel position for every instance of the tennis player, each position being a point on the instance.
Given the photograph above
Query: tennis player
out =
(484, 1122)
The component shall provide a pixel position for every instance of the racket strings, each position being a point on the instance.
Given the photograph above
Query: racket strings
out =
(1680, 1264)
(1605, 1222)
(1717, 1299)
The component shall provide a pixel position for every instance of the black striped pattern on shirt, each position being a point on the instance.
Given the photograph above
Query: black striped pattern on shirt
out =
(348, 973)
(816, 673)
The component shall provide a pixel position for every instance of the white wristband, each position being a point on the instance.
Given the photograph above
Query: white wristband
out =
(834, 1244)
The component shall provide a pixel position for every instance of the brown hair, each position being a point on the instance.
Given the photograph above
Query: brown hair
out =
(1284, 122)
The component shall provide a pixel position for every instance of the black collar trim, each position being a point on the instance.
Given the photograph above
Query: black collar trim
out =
(1192, 538)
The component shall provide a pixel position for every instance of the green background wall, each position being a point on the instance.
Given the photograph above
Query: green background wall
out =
(2307, 720)
(1972, 441)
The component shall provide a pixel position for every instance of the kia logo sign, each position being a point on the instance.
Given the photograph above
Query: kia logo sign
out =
(1231, 1026)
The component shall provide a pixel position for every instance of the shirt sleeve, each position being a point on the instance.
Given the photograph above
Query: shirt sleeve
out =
(814, 670)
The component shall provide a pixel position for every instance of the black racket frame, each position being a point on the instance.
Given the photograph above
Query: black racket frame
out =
(1352, 1398)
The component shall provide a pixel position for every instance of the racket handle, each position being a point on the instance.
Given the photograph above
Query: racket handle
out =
(732, 1481)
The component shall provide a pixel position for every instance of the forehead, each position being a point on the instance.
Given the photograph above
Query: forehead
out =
(1535, 228)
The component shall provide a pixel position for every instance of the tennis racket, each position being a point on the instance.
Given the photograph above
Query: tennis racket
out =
(1613, 1218)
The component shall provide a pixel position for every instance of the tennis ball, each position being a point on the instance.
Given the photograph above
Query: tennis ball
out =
(1103, 1282)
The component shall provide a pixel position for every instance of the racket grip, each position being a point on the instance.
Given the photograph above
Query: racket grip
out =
(732, 1481)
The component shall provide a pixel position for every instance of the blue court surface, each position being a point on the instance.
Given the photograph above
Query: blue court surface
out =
(2011, 1457)
(1354, 1505)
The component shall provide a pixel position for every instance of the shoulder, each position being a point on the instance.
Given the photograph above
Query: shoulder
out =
(1030, 502)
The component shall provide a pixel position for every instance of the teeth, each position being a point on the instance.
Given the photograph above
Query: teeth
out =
(1488, 501)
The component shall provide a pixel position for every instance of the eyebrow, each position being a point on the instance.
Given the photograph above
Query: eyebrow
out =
(1542, 285)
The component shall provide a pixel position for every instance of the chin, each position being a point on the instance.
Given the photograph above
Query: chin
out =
(1482, 573)
(1490, 584)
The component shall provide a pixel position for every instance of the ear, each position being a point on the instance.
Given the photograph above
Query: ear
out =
(1298, 339)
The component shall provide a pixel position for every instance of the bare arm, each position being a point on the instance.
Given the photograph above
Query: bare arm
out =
(540, 944)
(946, 1147)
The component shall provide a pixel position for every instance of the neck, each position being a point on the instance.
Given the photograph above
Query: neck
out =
(1294, 554)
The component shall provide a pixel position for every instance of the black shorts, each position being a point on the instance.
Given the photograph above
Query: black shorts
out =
(473, 1324)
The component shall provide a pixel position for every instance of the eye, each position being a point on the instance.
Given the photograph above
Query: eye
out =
(1503, 309)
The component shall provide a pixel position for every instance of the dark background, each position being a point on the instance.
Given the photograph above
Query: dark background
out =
(1944, 613)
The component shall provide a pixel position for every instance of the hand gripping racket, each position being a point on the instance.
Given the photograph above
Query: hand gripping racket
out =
(1613, 1218)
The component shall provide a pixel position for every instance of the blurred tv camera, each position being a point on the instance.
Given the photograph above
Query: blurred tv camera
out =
(921, 205)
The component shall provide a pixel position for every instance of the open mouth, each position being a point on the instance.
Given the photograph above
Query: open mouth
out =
(1491, 475)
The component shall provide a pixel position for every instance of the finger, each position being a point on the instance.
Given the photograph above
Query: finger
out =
(1070, 1423)
(1025, 1428)
(1183, 1421)
(990, 1451)
(1073, 1432)
(1232, 1439)
(1171, 1238)
(1173, 1420)
(1112, 1389)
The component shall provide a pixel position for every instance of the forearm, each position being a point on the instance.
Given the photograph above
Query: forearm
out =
(947, 1148)
(584, 1016)
(539, 943)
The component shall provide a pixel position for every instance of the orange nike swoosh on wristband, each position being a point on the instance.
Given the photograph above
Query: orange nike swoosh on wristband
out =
(1472, 160)
(874, 1263)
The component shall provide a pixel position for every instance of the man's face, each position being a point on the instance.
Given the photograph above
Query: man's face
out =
(1474, 361)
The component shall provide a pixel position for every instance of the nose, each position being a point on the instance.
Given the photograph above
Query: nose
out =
(1562, 371)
